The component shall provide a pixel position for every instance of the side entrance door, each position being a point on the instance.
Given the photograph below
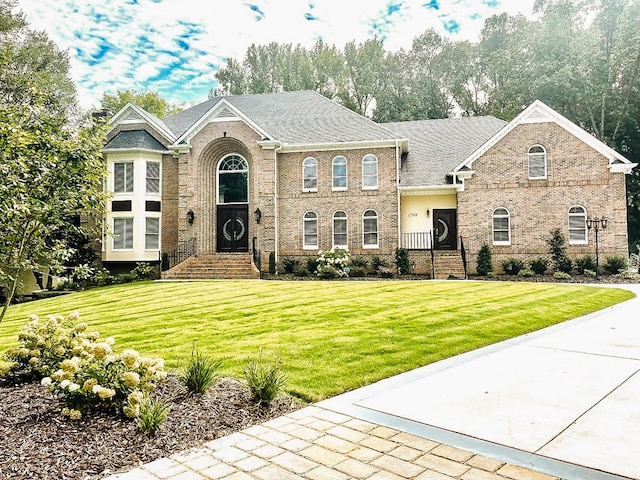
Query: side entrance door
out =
(445, 229)
(232, 228)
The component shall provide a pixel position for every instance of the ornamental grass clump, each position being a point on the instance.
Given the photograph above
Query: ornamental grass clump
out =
(81, 369)
(333, 264)
(200, 373)
(152, 414)
(265, 380)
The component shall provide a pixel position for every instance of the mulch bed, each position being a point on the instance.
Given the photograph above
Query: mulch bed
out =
(37, 442)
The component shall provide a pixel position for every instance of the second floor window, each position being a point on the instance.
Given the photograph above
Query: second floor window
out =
(310, 175)
(339, 173)
(537, 162)
(153, 177)
(123, 177)
(370, 172)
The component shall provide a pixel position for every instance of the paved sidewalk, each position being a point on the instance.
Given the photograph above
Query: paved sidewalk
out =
(318, 444)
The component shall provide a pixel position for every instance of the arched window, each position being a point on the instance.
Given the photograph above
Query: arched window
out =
(340, 229)
(339, 173)
(537, 162)
(370, 229)
(577, 225)
(501, 227)
(309, 175)
(233, 175)
(369, 172)
(310, 231)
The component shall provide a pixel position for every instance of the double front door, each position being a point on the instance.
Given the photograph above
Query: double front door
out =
(233, 228)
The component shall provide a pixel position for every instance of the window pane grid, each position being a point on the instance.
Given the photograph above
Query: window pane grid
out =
(370, 171)
(310, 230)
(340, 229)
(123, 177)
(501, 227)
(153, 177)
(370, 229)
(339, 173)
(537, 162)
(122, 233)
(310, 174)
(577, 225)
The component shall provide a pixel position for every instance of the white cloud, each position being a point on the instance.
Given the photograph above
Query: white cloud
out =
(175, 46)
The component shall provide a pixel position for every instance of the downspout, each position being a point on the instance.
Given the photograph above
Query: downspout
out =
(276, 235)
(398, 192)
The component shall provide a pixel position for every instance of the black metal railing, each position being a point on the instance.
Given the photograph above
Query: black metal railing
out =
(463, 254)
(433, 257)
(179, 254)
(256, 255)
(417, 241)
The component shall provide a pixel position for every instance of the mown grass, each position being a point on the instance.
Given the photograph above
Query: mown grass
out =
(330, 336)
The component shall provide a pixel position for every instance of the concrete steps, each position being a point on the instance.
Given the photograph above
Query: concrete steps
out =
(216, 266)
(448, 264)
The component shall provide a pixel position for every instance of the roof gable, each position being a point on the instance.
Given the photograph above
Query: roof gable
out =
(538, 112)
(132, 114)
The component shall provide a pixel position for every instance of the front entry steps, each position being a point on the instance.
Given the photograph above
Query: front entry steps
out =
(448, 264)
(219, 266)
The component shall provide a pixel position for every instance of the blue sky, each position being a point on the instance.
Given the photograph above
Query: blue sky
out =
(175, 47)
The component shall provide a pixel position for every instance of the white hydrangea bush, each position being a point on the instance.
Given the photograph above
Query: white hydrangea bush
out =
(83, 370)
(333, 264)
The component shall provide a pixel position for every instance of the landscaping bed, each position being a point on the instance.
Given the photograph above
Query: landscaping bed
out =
(37, 442)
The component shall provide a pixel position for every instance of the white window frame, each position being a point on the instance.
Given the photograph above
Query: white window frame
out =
(310, 165)
(238, 161)
(366, 232)
(340, 216)
(372, 183)
(128, 179)
(498, 215)
(339, 161)
(117, 236)
(574, 214)
(307, 219)
(150, 180)
(537, 157)
(148, 235)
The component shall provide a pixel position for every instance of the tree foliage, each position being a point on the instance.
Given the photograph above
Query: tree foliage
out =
(150, 101)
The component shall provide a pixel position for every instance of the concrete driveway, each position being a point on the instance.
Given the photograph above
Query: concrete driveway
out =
(564, 400)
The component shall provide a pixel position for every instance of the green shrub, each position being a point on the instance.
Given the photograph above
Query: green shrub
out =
(289, 265)
(590, 273)
(300, 270)
(358, 271)
(200, 372)
(512, 266)
(525, 272)
(312, 265)
(484, 265)
(402, 261)
(557, 250)
(145, 271)
(385, 272)
(272, 263)
(152, 414)
(265, 380)
(102, 277)
(359, 262)
(376, 262)
(539, 265)
(126, 277)
(560, 275)
(586, 262)
(615, 264)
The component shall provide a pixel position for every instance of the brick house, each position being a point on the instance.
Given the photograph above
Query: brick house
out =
(218, 187)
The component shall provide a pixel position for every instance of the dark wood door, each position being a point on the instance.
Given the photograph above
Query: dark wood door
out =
(445, 229)
(233, 228)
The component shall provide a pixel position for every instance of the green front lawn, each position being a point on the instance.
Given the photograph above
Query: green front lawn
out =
(330, 336)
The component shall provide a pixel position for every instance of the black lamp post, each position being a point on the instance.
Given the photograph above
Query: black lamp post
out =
(597, 224)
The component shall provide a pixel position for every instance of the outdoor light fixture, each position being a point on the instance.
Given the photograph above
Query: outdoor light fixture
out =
(190, 217)
(258, 214)
(597, 224)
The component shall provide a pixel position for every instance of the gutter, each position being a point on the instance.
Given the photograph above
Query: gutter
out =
(276, 234)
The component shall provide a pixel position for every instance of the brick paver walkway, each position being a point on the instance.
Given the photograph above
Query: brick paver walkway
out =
(319, 444)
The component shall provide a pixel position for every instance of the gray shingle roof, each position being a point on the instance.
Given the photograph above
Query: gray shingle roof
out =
(303, 117)
(134, 139)
(436, 147)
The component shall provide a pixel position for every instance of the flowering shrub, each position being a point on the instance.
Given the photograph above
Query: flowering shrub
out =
(333, 264)
(82, 370)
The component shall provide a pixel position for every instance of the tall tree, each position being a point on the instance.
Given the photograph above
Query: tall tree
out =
(364, 75)
(152, 102)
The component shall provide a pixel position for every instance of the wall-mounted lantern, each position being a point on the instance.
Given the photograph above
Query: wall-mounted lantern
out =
(190, 217)
(258, 214)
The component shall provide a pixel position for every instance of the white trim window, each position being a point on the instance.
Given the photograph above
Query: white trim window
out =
(123, 177)
(340, 229)
(123, 233)
(309, 175)
(233, 180)
(578, 225)
(310, 231)
(152, 233)
(537, 162)
(370, 172)
(501, 229)
(370, 229)
(153, 177)
(339, 173)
